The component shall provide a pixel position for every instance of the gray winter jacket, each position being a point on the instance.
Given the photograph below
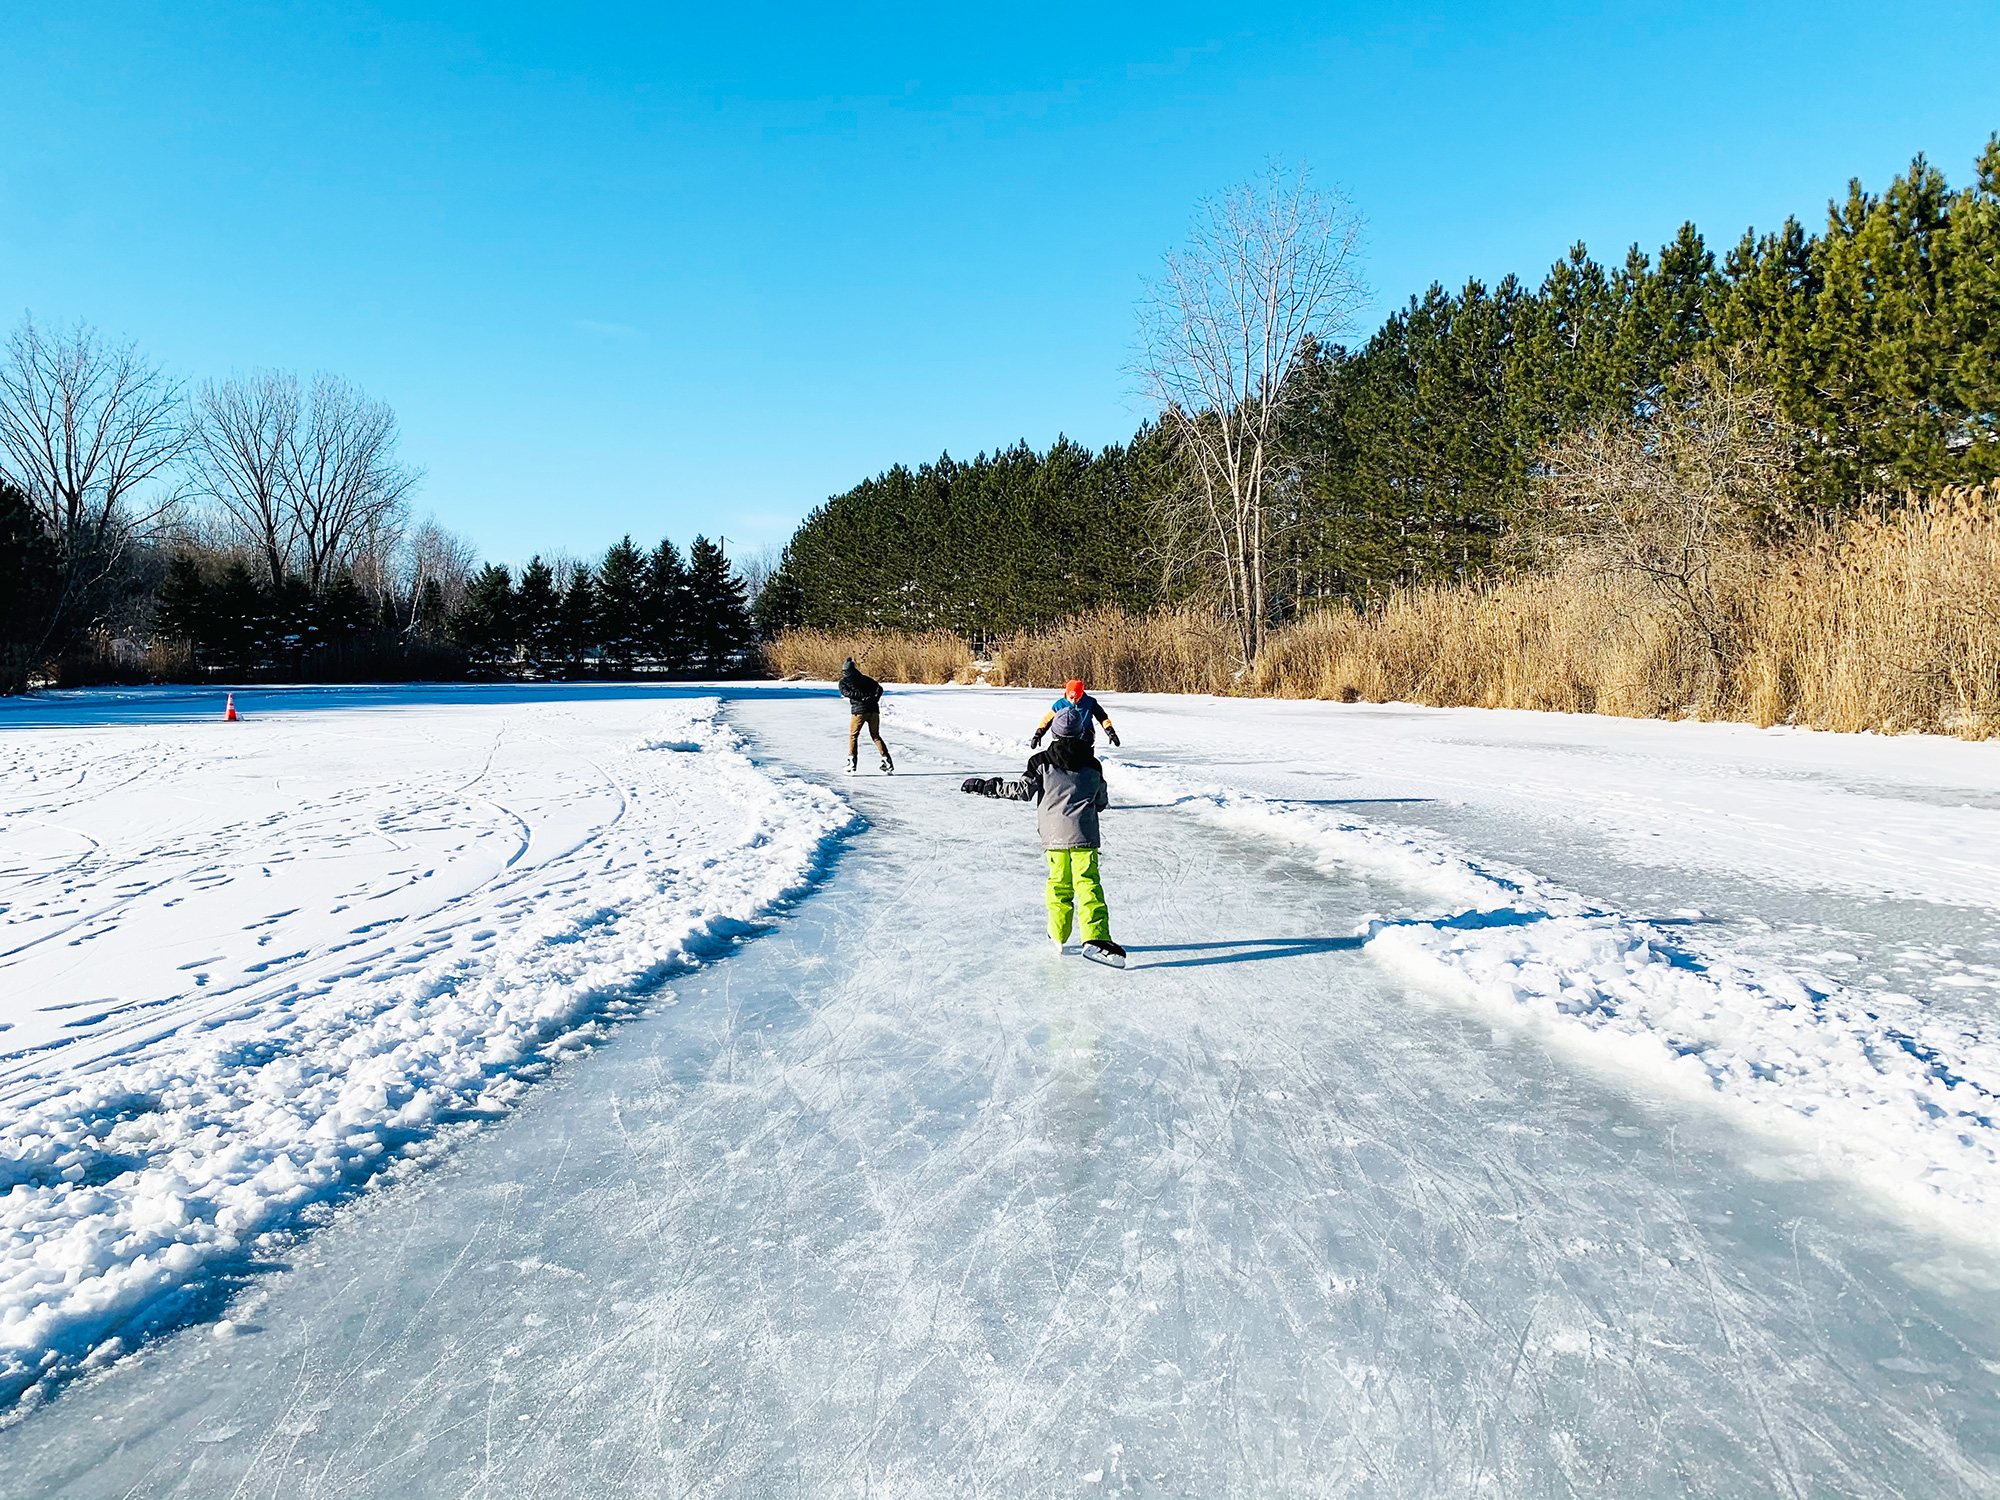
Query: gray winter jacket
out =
(1067, 801)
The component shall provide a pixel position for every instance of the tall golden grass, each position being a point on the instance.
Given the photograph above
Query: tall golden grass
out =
(888, 655)
(1188, 651)
(1889, 623)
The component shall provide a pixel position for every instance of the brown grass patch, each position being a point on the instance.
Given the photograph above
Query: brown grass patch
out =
(1890, 623)
(1185, 652)
(887, 655)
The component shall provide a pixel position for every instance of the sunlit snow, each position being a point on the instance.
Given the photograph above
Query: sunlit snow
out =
(590, 1090)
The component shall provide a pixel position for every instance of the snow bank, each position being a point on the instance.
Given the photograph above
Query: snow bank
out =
(129, 1181)
(1907, 1105)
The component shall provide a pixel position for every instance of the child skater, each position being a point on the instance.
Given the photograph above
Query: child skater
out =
(1066, 784)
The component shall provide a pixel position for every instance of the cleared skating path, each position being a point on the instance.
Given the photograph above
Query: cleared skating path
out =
(895, 1202)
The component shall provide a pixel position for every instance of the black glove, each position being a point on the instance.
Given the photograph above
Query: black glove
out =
(974, 784)
(1111, 735)
(1036, 738)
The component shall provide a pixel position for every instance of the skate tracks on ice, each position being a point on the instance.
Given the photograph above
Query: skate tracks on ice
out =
(895, 1201)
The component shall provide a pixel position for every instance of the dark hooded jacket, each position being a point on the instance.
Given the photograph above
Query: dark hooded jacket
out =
(1066, 784)
(862, 692)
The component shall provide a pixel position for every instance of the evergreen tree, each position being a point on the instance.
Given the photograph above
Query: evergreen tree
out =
(666, 608)
(621, 605)
(241, 629)
(719, 616)
(181, 608)
(30, 590)
(578, 634)
(538, 611)
(484, 624)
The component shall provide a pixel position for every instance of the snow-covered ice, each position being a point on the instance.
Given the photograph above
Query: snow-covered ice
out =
(1479, 1114)
(246, 966)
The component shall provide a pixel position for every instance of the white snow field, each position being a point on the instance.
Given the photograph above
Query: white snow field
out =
(1497, 1104)
(246, 965)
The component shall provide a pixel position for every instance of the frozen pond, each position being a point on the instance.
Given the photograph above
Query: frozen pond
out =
(894, 1201)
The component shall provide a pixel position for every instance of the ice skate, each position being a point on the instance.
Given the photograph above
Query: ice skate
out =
(888, 766)
(1104, 951)
(851, 762)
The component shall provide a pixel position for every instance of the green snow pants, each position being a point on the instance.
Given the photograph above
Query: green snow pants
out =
(1073, 877)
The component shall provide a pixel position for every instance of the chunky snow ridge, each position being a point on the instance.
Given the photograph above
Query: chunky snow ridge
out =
(131, 1171)
(1907, 1105)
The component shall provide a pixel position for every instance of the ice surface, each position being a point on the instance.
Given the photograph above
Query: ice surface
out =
(1902, 1097)
(894, 1201)
(248, 966)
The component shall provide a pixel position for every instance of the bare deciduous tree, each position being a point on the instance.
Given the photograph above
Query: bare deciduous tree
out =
(1673, 497)
(433, 555)
(241, 433)
(83, 426)
(342, 477)
(1268, 265)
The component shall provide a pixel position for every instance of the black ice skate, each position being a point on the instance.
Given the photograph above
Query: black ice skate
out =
(1104, 951)
(850, 764)
(888, 766)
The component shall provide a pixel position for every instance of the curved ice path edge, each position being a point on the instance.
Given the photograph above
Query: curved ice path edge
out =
(1908, 1109)
(136, 1187)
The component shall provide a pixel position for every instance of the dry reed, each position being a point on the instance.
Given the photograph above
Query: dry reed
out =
(1888, 623)
(1189, 651)
(888, 655)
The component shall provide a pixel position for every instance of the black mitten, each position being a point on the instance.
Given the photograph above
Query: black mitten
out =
(974, 784)
(1036, 738)
(1111, 735)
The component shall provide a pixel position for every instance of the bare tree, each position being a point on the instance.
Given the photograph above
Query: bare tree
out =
(241, 433)
(1269, 264)
(432, 555)
(756, 566)
(83, 425)
(1673, 497)
(342, 478)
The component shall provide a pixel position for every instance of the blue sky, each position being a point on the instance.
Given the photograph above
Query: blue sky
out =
(663, 269)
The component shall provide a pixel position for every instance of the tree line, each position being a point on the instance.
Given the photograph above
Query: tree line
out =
(1319, 471)
(1002, 543)
(261, 525)
(635, 611)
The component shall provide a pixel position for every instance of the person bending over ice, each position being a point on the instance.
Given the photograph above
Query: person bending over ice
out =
(1066, 784)
(864, 706)
(1075, 715)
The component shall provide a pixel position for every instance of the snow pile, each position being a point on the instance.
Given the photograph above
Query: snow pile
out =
(125, 1182)
(1907, 1105)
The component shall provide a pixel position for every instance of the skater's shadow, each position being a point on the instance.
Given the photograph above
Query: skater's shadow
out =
(1245, 950)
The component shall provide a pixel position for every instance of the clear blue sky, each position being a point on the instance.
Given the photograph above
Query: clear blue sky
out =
(663, 269)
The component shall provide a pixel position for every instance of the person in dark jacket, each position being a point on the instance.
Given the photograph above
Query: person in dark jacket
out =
(1066, 784)
(864, 706)
(1075, 715)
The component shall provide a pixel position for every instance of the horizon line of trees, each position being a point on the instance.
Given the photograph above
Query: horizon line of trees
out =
(633, 613)
(257, 524)
(1424, 452)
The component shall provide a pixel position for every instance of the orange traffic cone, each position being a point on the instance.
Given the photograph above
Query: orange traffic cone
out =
(229, 711)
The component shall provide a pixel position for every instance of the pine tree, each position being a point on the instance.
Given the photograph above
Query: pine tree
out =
(484, 624)
(537, 611)
(719, 616)
(666, 607)
(181, 608)
(577, 637)
(30, 590)
(621, 604)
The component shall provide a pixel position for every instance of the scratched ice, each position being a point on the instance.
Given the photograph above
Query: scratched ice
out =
(895, 1202)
